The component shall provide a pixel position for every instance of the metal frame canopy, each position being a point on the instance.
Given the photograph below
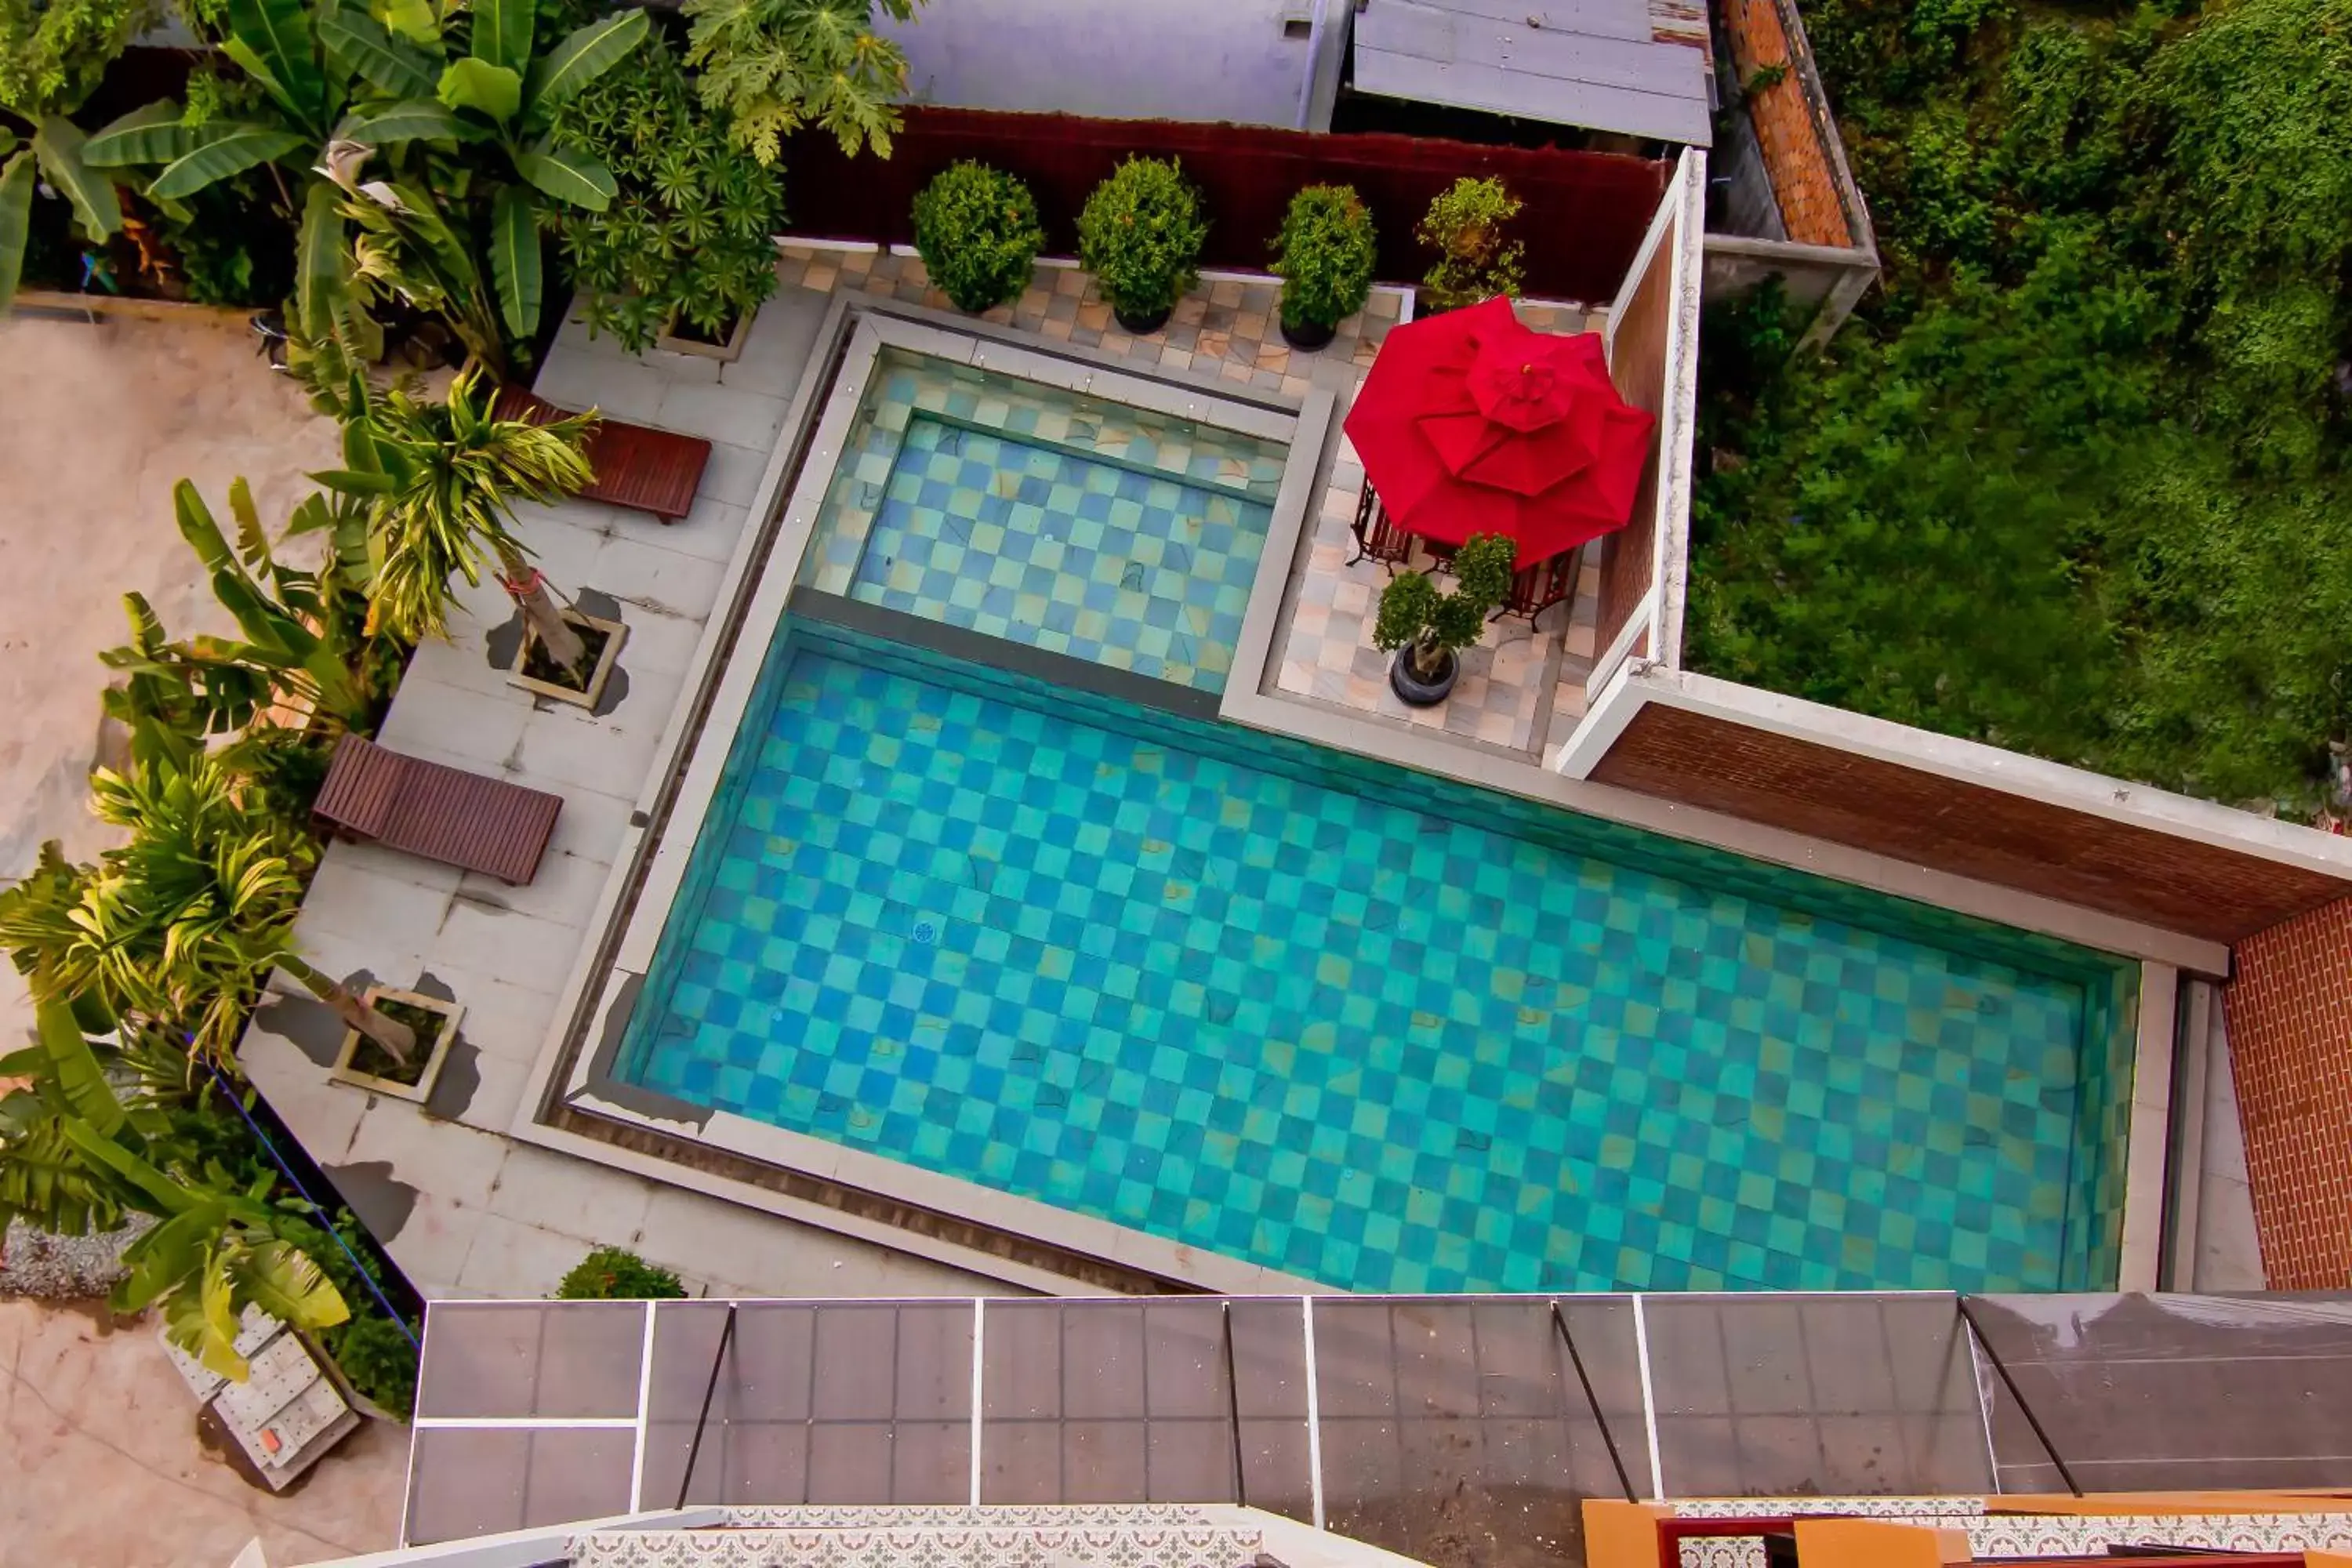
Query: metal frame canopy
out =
(1590, 63)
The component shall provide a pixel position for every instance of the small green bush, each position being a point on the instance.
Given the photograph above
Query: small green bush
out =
(1324, 256)
(1141, 234)
(976, 229)
(1475, 262)
(617, 1274)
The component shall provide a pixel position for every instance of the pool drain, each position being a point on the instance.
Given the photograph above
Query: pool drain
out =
(926, 932)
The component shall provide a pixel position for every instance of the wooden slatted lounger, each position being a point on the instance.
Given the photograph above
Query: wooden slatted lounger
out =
(440, 812)
(636, 466)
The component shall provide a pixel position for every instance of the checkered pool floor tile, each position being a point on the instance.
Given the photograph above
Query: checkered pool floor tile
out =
(1245, 995)
(1064, 521)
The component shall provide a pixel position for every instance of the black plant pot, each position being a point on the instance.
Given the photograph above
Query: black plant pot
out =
(1307, 335)
(1143, 326)
(1411, 690)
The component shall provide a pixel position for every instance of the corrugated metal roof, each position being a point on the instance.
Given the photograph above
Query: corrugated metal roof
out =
(1597, 64)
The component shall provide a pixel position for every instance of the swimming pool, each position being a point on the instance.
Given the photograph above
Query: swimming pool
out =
(1073, 523)
(1363, 1025)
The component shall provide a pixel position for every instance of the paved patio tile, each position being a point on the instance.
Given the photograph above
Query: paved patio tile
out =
(484, 729)
(727, 414)
(465, 1163)
(663, 580)
(515, 944)
(734, 474)
(557, 1193)
(509, 1259)
(433, 1245)
(369, 902)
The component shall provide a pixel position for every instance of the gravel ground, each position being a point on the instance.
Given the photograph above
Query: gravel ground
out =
(64, 1267)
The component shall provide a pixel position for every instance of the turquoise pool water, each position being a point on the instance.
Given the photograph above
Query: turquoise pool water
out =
(1359, 1025)
(1053, 519)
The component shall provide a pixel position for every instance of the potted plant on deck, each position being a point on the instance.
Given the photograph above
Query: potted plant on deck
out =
(1427, 629)
(1140, 236)
(440, 482)
(976, 229)
(1324, 256)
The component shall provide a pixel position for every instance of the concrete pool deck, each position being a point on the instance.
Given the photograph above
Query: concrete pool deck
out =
(472, 1193)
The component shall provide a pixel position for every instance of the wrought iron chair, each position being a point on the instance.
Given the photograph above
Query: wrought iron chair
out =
(1537, 587)
(1378, 538)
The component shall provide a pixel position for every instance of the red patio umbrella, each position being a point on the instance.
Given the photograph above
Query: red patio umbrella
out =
(1469, 423)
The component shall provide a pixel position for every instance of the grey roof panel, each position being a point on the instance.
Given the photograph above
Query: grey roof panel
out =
(1592, 63)
(1500, 90)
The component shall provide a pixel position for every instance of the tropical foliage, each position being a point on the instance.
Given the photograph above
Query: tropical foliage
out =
(181, 923)
(1467, 225)
(2075, 483)
(77, 1155)
(456, 106)
(52, 53)
(976, 229)
(689, 239)
(769, 67)
(439, 482)
(1140, 235)
(303, 647)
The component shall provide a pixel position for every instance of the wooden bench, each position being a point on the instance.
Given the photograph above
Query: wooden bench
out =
(636, 466)
(437, 812)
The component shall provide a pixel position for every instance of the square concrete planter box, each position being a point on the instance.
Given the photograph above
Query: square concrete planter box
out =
(726, 352)
(616, 633)
(436, 1047)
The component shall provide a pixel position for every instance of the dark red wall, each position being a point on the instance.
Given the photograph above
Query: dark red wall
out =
(1584, 219)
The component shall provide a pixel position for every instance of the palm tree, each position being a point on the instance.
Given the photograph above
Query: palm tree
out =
(76, 1156)
(442, 480)
(182, 923)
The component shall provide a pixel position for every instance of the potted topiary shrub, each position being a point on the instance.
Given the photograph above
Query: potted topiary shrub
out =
(976, 230)
(1140, 236)
(1324, 256)
(1475, 260)
(1426, 629)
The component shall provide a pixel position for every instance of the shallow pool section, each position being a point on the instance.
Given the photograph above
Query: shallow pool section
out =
(1370, 1027)
(1072, 524)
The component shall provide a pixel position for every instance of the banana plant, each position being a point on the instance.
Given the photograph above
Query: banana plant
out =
(300, 647)
(512, 96)
(75, 1157)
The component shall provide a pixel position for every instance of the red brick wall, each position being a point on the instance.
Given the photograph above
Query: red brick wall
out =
(2290, 1012)
(1970, 829)
(1637, 363)
(1784, 126)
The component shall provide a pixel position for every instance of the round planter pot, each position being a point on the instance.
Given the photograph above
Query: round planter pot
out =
(1411, 690)
(1145, 325)
(1307, 335)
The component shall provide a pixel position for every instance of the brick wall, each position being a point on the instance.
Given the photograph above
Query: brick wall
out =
(2289, 1010)
(1785, 127)
(1970, 829)
(1637, 364)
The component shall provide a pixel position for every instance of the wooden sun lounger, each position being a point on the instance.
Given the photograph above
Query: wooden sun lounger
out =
(440, 812)
(636, 466)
